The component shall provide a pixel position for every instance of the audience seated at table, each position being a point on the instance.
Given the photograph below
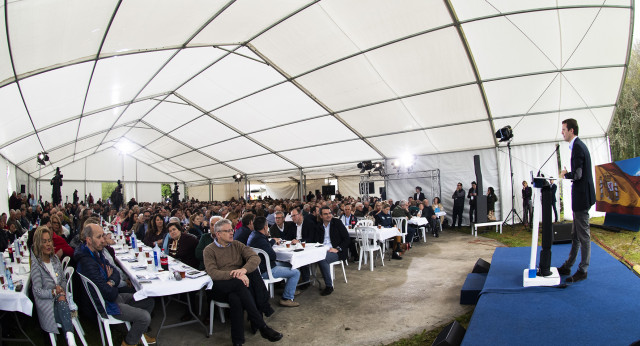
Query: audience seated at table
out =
(122, 306)
(156, 232)
(109, 254)
(242, 234)
(205, 240)
(60, 246)
(277, 230)
(195, 225)
(384, 219)
(335, 237)
(259, 239)
(48, 285)
(430, 215)
(181, 245)
(233, 268)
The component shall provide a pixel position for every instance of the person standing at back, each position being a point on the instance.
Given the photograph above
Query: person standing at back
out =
(458, 205)
(583, 196)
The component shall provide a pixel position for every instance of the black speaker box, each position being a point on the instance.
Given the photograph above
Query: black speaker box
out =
(23, 188)
(451, 335)
(562, 233)
(481, 266)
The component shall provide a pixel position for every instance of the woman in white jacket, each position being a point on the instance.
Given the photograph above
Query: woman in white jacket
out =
(48, 286)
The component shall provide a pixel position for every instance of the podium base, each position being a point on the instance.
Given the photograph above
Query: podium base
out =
(551, 280)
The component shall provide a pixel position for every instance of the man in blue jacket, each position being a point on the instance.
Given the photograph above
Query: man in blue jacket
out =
(122, 306)
(243, 233)
(259, 239)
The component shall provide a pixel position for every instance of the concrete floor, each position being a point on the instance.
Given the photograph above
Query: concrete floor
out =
(398, 300)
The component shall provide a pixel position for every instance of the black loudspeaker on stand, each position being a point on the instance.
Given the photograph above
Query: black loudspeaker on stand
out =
(481, 200)
(451, 335)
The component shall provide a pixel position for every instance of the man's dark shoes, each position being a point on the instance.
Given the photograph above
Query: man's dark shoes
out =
(327, 291)
(270, 334)
(396, 256)
(564, 270)
(578, 276)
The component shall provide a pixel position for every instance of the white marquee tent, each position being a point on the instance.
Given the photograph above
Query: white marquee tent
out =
(199, 90)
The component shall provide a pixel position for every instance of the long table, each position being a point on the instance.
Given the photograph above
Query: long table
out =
(162, 284)
(312, 253)
(12, 301)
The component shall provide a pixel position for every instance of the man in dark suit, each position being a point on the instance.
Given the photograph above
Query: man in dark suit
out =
(583, 196)
(300, 229)
(418, 195)
(335, 238)
(242, 234)
(277, 229)
(554, 200)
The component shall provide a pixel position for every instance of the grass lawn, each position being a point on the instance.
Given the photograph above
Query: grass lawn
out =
(622, 245)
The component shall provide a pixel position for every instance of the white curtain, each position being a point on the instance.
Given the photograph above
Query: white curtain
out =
(282, 189)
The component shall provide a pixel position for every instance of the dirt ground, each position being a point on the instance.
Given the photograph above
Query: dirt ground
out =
(400, 299)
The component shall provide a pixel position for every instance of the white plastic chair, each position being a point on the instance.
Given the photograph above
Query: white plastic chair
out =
(369, 243)
(332, 271)
(65, 263)
(364, 222)
(104, 321)
(212, 310)
(270, 280)
(401, 223)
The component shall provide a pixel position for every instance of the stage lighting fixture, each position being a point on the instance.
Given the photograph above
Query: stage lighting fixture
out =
(377, 167)
(237, 177)
(365, 166)
(42, 158)
(504, 133)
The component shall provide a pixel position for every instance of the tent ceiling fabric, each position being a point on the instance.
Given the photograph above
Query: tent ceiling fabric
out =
(211, 88)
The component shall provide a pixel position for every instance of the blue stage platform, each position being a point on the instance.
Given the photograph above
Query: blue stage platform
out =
(602, 310)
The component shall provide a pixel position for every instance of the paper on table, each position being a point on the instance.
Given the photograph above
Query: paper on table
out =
(145, 276)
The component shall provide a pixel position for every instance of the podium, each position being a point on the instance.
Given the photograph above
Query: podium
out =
(545, 275)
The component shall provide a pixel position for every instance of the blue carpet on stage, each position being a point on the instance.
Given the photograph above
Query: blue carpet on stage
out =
(604, 309)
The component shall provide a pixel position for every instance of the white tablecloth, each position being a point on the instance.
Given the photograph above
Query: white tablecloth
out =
(311, 254)
(165, 284)
(418, 221)
(382, 233)
(17, 301)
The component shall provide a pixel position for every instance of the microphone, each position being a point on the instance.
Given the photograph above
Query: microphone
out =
(550, 156)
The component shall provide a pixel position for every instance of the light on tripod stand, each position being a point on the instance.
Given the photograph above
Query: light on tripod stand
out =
(237, 177)
(504, 133)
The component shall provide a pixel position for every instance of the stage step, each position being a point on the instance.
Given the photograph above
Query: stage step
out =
(470, 291)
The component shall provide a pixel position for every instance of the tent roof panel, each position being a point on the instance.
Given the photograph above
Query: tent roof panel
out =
(142, 136)
(18, 152)
(163, 24)
(15, 120)
(351, 151)
(448, 106)
(96, 122)
(265, 109)
(192, 159)
(393, 116)
(264, 163)
(6, 68)
(187, 63)
(51, 137)
(297, 134)
(187, 176)
(216, 171)
(48, 33)
(56, 95)
(168, 116)
(227, 80)
(232, 149)
(146, 156)
(120, 78)
(399, 145)
(135, 111)
(244, 19)
(167, 147)
(203, 131)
